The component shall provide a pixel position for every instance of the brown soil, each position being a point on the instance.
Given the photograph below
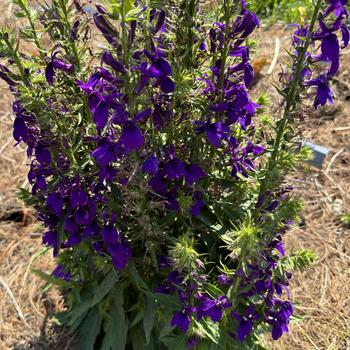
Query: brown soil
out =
(321, 294)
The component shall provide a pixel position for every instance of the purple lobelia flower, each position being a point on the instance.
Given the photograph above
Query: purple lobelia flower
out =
(61, 273)
(42, 154)
(54, 203)
(225, 280)
(110, 234)
(120, 252)
(150, 166)
(324, 92)
(73, 34)
(56, 64)
(192, 342)
(7, 76)
(131, 137)
(100, 114)
(92, 230)
(198, 204)
(78, 197)
(160, 70)
(212, 308)
(338, 7)
(330, 48)
(244, 24)
(70, 224)
(105, 153)
(245, 322)
(215, 132)
(193, 173)
(108, 58)
(182, 319)
(106, 28)
(83, 216)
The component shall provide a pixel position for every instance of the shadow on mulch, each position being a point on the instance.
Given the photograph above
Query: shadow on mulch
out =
(51, 337)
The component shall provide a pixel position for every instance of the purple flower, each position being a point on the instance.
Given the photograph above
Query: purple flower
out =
(164, 262)
(331, 51)
(78, 197)
(160, 68)
(338, 7)
(100, 115)
(245, 328)
(193, 173)
(212, 308)
(108, 58)
(198, 204)
(167, 85)
(131, 137)
(192, 342)
(92, 229)
(73, 33)
(181, 319)
(110, 234)
(121, 253)
(174, 169)
(50, 238)
(277, 332)
(61, 273)
(105, 153)
(324, 93)
(42, 154)
(70, 224)
(245, 322)
(160, 22)
(54, 203)
(56, 64)
(150, 166)
(82, 216)
(158, 183)
(215, 132)
(224, 280)
(106, 28)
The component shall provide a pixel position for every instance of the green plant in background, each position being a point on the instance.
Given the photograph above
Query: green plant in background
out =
(285, 10)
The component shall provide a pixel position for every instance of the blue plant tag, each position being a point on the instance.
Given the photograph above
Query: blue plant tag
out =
(319, 153)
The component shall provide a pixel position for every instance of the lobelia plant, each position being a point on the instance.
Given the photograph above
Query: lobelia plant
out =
(158, 179)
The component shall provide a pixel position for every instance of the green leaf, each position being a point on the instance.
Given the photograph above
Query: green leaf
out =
(128, 5)
(234, 213)
(175, 343)
(207, 217)
(137, 338)
(89, 330)
(139, 316)
(168, 301)
(149, 317)
(116, 327)
(98, 293)
(136, 278)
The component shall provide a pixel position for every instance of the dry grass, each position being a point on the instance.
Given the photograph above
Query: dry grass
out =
(321, 294)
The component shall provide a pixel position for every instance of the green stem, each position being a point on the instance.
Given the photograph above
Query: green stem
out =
(36, 39)
(15, 57)
(126, 53)
(226, 47)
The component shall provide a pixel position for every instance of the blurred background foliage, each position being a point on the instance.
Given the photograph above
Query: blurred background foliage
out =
(286, 10)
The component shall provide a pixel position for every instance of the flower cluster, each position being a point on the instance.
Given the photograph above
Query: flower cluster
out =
(150, 171)
(322, 65)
